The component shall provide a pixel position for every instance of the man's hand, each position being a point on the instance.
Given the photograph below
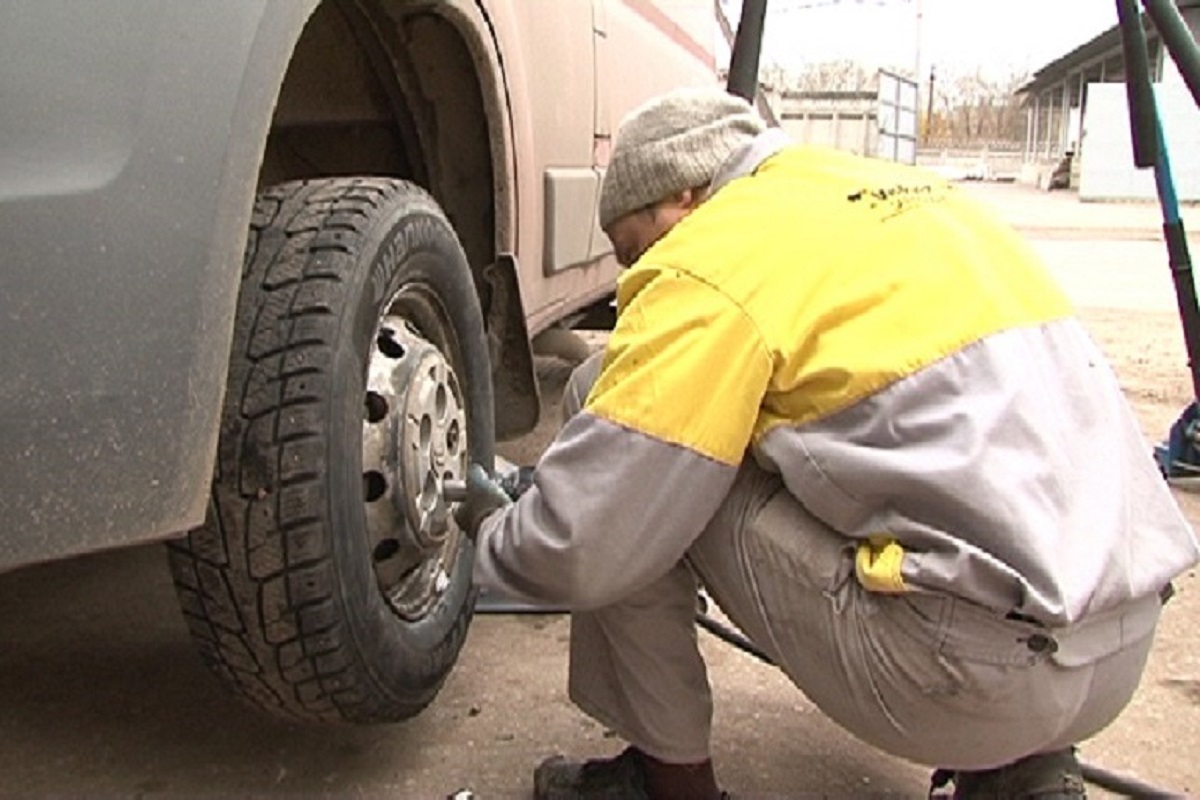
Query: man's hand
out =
(484, 495)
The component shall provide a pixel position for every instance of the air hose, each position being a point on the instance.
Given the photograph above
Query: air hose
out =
(1098, 776)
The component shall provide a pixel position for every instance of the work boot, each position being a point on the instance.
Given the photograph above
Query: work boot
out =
(1045, 776)
(632, 775)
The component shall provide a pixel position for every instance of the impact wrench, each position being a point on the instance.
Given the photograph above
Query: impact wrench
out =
(513, 481)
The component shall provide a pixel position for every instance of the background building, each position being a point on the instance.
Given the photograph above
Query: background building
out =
(879, 119)
(1078, 120)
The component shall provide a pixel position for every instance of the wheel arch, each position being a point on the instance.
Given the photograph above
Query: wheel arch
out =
(402, 89)
(415, 90)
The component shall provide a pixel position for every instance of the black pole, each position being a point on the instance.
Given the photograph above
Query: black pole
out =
(1180, 261)
(1143, 113)
(1149, 150)
(747, 47)
(929, 102)
(1178, 40)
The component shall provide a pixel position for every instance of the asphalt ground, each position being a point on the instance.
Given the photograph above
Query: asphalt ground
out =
(101, 693)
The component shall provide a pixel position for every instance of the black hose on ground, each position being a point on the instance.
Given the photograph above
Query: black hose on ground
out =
(730, 636)
(1098, 776)
(1121, 784)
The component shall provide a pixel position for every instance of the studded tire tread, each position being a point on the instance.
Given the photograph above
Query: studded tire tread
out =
(276, 607)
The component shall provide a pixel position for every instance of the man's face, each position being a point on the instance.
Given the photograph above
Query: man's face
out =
(633, 234)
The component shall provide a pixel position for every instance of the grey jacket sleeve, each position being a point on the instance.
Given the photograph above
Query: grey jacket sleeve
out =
(586, 546)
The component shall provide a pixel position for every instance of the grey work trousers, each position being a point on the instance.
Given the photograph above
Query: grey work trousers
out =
(930, 678)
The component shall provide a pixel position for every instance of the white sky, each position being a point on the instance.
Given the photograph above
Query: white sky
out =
(998, 36)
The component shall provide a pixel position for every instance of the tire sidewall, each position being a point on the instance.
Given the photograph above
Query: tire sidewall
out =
(410, 242)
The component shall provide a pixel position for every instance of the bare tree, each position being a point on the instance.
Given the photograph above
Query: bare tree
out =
(825, 76)
(978, 108)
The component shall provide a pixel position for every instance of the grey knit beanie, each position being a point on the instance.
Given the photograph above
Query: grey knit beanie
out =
(674, 142)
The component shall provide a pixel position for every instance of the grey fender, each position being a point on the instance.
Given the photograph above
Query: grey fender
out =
(129, 151)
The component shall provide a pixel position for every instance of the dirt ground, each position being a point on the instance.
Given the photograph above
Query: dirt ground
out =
(101, 694)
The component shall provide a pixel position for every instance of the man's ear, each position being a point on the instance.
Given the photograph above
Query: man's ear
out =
(688, 199)
(696, 196)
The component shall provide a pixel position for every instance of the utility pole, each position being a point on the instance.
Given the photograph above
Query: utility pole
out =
(929, 106)
(917, 35)
(920, 18)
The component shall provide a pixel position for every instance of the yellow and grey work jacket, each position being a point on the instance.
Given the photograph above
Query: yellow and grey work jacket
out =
(900, 358)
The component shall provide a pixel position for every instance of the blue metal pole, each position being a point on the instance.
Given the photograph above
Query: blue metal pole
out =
(1179, 259)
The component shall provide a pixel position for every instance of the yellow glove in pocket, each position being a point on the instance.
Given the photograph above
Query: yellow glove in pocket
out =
(877, 564)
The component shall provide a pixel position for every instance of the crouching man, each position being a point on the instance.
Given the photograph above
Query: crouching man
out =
(852, 404)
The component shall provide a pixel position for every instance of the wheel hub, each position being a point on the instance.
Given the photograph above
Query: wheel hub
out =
(414, 440)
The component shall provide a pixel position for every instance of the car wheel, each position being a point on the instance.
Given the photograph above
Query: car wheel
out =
(328, 582)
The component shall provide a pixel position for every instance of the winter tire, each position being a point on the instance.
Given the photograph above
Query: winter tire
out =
(328, 582)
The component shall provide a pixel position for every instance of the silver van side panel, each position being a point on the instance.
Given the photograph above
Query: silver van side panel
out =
(130, 137)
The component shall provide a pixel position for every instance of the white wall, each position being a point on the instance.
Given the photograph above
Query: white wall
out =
(1106, 168)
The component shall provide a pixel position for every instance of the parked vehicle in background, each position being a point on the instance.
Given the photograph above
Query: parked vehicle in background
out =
(271, 272)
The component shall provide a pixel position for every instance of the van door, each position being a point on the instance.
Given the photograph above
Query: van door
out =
(586, 64)
(560, 48)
